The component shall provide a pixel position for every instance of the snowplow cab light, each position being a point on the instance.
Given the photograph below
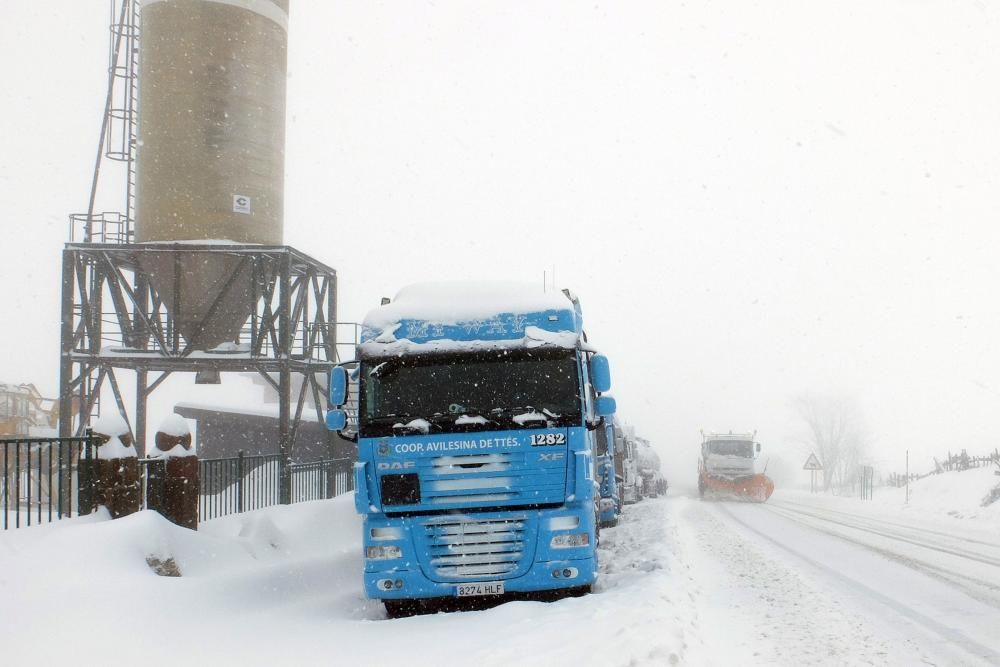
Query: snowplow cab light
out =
(385, 584)
(600, 373)
(556, 573)
(570, 541)
(383, 553)
(397, 584)
(570, 573)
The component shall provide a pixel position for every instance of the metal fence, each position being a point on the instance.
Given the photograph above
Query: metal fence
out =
(248, 482)
(39, 479)
(237, 484)
(322, 479)
(952, 463)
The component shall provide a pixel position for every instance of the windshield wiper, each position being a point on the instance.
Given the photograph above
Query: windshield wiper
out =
(399, 424)
(528, 415)
(464, 415)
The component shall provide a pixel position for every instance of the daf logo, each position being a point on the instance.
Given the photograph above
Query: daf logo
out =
(552, 456)
(383, 449)
(397, 465)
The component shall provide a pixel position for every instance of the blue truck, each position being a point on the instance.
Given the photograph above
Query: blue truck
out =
(478, 408)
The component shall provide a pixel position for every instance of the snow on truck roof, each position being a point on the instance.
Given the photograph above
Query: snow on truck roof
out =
(465, 316)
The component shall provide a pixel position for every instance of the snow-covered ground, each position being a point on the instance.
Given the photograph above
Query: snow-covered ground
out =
(799, 580)
(823, 580)
(282, 586)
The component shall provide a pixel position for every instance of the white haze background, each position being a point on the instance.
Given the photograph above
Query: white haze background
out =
(753, 199)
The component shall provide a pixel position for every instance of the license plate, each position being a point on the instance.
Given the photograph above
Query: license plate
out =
(474, 590)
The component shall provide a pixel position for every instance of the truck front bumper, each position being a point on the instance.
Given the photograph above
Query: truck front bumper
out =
(411, 584)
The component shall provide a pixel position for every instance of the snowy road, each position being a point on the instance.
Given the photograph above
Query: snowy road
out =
(800, 583)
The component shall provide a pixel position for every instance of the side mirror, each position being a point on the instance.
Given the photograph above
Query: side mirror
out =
(336, 420)
(338, 386)
(600, 373)
(758, 447)
(605, 406)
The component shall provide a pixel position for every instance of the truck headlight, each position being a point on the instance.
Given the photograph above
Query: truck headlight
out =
(570, 541)
(383, 553)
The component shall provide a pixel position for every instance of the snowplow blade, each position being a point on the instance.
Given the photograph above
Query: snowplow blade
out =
(755, 489)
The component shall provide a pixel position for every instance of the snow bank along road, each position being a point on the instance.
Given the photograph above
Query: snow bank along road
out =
(282, 586)
(801, 582)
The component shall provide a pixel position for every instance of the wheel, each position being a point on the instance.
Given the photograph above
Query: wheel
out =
(401, 608)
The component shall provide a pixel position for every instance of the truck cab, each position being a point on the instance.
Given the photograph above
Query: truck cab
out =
(479, 410)
(727, 468)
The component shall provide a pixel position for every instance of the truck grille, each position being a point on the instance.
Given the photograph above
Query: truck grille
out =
(462, 548)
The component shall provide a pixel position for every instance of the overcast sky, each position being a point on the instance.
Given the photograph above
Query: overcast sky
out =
(752, 199)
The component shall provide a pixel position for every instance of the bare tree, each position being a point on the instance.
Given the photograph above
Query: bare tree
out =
(836, 433)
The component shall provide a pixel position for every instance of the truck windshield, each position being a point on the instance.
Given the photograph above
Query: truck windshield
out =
(495, 389)
(743, 448)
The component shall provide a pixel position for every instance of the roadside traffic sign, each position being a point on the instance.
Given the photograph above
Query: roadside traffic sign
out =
(812, 463)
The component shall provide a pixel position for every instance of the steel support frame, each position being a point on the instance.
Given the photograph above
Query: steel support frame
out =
(113, 319)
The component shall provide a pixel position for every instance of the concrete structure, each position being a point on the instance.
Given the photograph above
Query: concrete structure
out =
(223, 432)
(207, 288)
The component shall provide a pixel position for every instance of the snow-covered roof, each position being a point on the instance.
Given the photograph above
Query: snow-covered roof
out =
(468, 315)
(454, 302)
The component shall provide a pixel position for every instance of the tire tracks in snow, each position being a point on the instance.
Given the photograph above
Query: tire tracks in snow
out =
(951, 635)
(759, 611)
(979, 588)
(878, 525)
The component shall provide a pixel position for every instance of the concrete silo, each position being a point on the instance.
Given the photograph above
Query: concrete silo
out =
(210, 151)
(201, 262)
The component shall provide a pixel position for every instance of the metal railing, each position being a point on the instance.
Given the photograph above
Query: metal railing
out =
(322, 479)
(40, 480)
(238, 484)
(248, 482)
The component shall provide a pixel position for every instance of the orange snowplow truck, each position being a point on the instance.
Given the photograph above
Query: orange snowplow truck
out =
(727, 468)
